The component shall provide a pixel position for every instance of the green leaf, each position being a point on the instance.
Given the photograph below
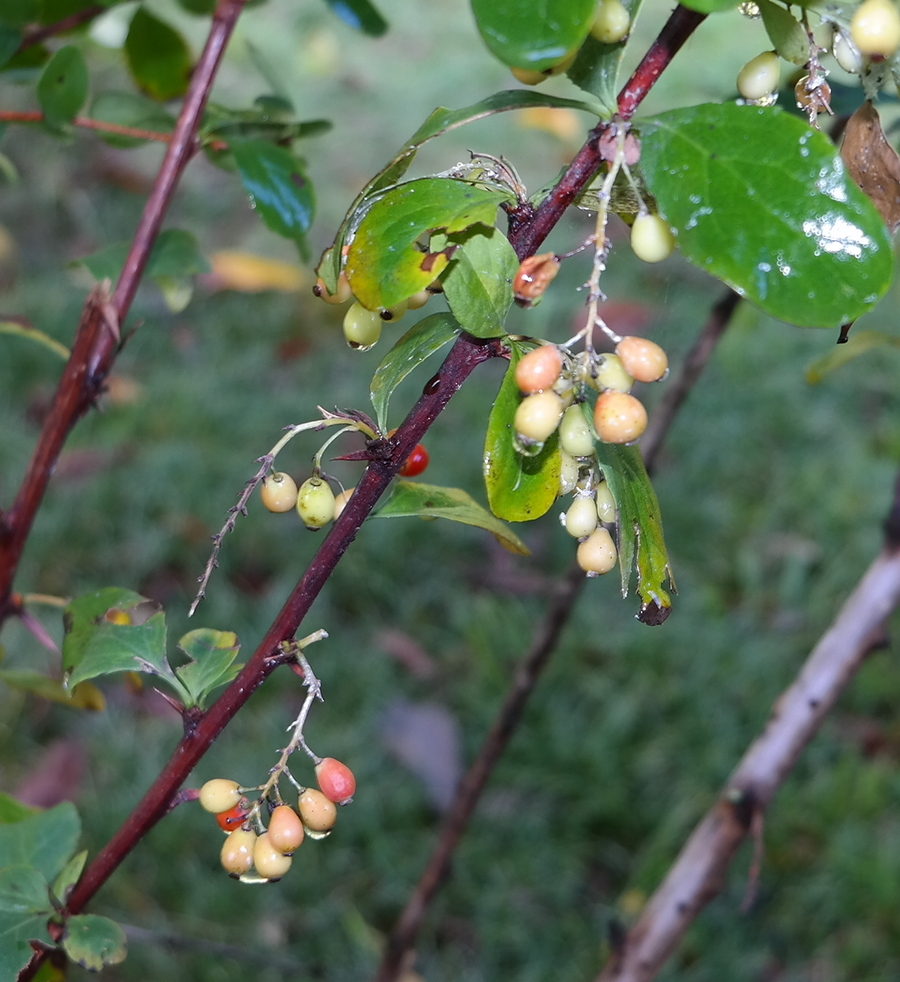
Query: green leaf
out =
(533, 34)
(83, 696)
(212, 655)
(640, 535)
(174, 260)
(278, 187)
(20, 12)
(10, 39)
(270, 119)
(596, 69)
(420, 342)
(23, 890)
(857, 344)
(441, 121)
(16, 930)
(410, 498)
(14, 811)
(133, 110)
(199, 7)
(478, 282)
(764, 203)
(68, 877)
(33, 334)
(359, 14)
(63, 87)
(45, 840)
(114, 630)
(787, 36)
(710, 6)
(158, 57)
(384, 265)
(519, 488)
(92, 941)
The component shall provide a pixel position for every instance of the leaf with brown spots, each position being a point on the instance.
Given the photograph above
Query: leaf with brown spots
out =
(873, 163)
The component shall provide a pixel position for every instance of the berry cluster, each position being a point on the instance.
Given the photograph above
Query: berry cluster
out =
(256, 853)
(555, 385)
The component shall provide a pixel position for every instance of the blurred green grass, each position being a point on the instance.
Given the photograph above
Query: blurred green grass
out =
(772, 494)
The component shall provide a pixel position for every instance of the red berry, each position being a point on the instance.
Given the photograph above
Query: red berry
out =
(234, 817)
(415, 463)
(336, 780)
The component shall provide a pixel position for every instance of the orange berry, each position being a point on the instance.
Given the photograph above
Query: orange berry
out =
(285, 829)
(642, 359)
(538, 369)
(619, 417)
(336, 780)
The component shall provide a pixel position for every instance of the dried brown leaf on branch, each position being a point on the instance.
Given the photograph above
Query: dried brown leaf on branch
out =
(873, 163)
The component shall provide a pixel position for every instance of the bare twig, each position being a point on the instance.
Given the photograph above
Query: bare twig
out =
(698, 872)
(85, 122)
(38, 35)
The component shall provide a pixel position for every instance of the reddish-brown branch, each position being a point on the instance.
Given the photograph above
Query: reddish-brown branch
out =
(97, 339)
(40, 34)
(85, 122)
(699, 871)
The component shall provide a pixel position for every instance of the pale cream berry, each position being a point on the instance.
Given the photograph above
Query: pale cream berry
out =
(270, 862)
(612, 22)
(568, 472)
(285, 829)
(846, 54)
(418, 300)
(644, 360)
(317, 813)
(597, 554)
(342, 293)
(538, 369)
(237, 852)
(610, 373)
(759, 78)
(875, 28)
(619, 417)
(538, 416)
(315, 503)
(219, 795)
(581, 517)
(394, 313)
(651, 238)
(606, 503)
(340, 501)
(527, 76)
(278, 492)
(362, 328)
(575, 435)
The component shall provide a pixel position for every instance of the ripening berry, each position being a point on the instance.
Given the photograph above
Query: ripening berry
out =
(581, 518)
(610, 374)
(643, 360)
(846, 54)
(341, 294)
(285, 829)
(538, 369)
(538, 416)
(527, 76)
(394, 313)
(362, 328)
(317, 813)
(415, 463)
(315, 503)
(237, 852)
(219, 795)
(619, 417)
(568, 472)
(534, 275)
(612, 22)
(651, 239)
(575, 435)
(418, 300)
(597, 554)
(812, 95)
(269, 861)
(875, 28)
(336, 781)
(759, 78)
(606, 503)
(234, 817)
(278, 492)
(340, 502)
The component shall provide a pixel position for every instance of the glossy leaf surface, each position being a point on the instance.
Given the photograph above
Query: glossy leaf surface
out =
(533, 34)
(412, 498)
(764, 203)
(420, 342)
(519, 488)
(63, 86)
(385, 264)
(478, 282)
(158, 57)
